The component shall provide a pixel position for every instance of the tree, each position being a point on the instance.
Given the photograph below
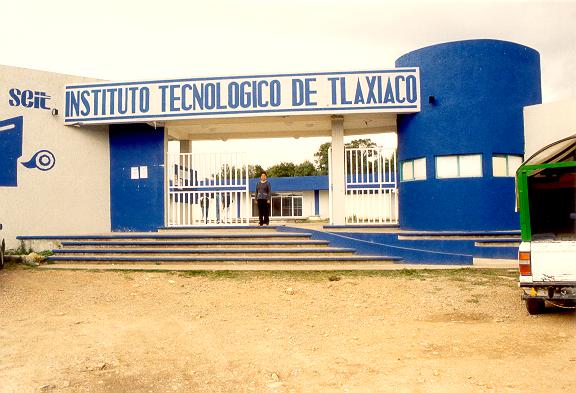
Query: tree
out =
(284, 169)
(254, 171)
(305, 169)
(322, 153)
(361, 143)
(322, 158)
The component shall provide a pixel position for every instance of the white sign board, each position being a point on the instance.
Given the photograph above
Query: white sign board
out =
(395, 90)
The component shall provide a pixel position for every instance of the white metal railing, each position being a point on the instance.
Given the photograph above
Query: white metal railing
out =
(371, 206)
(370, 166)
(371, 194)
(207, 189)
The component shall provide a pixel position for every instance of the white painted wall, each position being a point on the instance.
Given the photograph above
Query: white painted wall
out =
(324, 204)
(74, 196)
(307, 203)
(547, 123)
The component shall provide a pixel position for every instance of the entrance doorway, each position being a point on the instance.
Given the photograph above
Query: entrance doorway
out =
(207, 189)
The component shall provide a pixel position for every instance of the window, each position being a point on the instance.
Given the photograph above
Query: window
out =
(414, 169)
(505, 165)
(459, 166)
(287, 206)
(283, 205)
(297, 207)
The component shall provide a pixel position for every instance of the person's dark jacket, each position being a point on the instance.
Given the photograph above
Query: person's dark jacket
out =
(263, 190)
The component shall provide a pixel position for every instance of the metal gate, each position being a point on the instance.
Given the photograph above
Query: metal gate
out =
(207, 189)
(371, 192)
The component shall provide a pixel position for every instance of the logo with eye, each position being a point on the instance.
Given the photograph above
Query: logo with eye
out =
(43, 160)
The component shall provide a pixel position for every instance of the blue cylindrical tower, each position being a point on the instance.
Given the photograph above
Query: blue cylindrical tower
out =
(472, 98)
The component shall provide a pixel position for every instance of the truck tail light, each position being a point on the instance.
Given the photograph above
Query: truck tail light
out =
(524, 263)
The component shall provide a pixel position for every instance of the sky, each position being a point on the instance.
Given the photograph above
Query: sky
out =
(138, 40)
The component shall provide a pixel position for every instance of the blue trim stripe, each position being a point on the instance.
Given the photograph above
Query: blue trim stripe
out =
(215, 188)
(168, 236)
(197, 243)
(181, 115)
(300, 250)
(458, 233)
(351, 258)
(499, 240)
(373, 186)
(387, 226)
(204, 227)
(103, 84)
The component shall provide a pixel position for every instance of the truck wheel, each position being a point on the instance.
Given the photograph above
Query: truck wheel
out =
(535, 306)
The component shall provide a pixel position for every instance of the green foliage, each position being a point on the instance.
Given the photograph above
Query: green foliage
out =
(289, 169)
(21, 250)
(284, 169)
(361, 143)
(46, 253)
(254, 171)
(305, 169)
(321, 156)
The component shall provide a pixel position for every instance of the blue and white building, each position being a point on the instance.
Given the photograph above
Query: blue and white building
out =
(85, 156)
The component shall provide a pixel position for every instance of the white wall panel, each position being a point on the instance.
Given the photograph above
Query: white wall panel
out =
(73, 196)
(547, 123)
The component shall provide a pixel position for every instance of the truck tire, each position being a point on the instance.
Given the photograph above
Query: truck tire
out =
(535, 306)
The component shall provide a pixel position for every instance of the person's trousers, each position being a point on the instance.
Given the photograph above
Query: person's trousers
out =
(263, 211)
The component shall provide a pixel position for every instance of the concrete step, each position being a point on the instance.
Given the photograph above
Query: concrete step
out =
(232, 260)
(184, 236)
(498, 243)
(219, 229)
(204, 252)
(458, 235)
(54, 241)
(247, 266)
(197, 244)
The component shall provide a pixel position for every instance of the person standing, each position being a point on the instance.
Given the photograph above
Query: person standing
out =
(263, 197)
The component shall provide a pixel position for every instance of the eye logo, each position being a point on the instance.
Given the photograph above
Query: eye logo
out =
(43, 160)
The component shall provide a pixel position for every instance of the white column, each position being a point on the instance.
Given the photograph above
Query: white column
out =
(337, 175)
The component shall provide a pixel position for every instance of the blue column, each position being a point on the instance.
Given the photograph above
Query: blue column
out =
(136, 204)
(472, 98)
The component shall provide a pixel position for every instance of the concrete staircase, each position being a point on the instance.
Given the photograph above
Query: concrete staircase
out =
(206, 247)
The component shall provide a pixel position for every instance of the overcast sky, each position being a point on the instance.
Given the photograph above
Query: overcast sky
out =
(134, 40)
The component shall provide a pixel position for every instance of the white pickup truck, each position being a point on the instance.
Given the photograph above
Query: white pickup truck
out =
(546, 185)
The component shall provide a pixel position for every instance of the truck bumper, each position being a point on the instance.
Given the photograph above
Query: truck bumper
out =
(548, 291)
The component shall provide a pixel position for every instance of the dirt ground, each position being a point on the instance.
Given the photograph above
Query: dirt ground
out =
(407, 331)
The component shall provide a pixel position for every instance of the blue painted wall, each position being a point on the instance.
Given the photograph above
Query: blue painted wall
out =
(136, 205)
(296, 183)
(11, 133)
(365, 244)
(479, 89)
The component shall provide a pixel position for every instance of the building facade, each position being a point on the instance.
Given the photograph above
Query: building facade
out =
(86, 156)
